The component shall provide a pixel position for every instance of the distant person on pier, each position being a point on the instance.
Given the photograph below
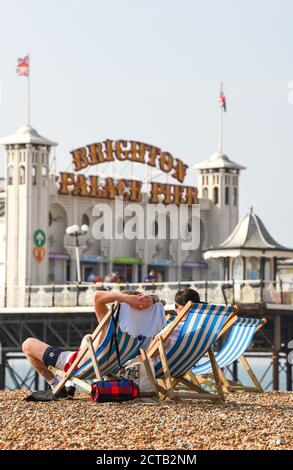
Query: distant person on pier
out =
(150, 277)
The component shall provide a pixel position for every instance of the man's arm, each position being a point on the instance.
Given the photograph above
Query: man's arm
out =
(102, 298)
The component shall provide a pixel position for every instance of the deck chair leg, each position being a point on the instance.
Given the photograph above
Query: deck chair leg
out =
(94, 359)
(245, 363)
(147, 366)
(200, 394)
(196, 380)
(193, 386)
(217, 379)
(81, 383)
(193, 378)
(60, 385)
(161, 389)
(223, 380)
(206, 381)
(211, 383)
(169, 388)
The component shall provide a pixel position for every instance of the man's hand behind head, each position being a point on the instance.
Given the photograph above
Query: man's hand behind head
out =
(140, 301)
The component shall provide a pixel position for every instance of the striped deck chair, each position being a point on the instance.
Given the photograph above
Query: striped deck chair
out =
(104, 360)
(239, 340)
(202, 323)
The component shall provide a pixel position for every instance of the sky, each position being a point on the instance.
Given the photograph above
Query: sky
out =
(150, 70)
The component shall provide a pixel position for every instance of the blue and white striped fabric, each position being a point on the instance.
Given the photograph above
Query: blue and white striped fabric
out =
(198, 333)
(240, 337)
(129, 347)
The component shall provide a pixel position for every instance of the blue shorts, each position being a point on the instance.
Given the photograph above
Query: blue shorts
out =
(51, 355)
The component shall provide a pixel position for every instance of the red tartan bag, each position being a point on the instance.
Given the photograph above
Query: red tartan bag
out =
(113, 390)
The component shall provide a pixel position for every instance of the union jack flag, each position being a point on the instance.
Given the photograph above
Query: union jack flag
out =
(222, 99)
(23, 65)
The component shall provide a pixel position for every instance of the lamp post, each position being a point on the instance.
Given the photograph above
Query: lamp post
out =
(75, 231)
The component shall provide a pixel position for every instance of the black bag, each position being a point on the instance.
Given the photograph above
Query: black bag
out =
(115, 311)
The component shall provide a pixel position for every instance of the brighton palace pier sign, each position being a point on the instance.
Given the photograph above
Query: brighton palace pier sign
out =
(77, 184)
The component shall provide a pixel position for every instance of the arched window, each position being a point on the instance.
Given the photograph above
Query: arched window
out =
(205, 193)
(34, 174)
(268, 271)
(253, 268)
(44, 171)
(50, 219)
(227, 195)
(21, 175)
(85, 220)
(235, 196)
(238, 266)
(10, 174)
(216, 195)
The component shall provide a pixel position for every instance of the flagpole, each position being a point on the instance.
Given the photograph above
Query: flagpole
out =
(220, 128)
(221, 121)
(28, 93)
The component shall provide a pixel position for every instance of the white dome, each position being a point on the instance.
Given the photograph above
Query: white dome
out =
(26, 135)
(218, 160)
(217, 156)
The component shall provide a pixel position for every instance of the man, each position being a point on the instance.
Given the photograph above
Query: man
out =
(182, 296)
(42, 355)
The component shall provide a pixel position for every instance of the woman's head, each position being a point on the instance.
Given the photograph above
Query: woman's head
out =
(183, 296)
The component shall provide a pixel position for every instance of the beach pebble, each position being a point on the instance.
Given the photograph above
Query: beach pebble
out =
(245, 421)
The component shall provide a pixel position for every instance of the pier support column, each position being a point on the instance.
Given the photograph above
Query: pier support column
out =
(235, 371)
(275, 360)
(289, 354)
(289, 377)
(2, 371)
(277, 347)
(36, 381)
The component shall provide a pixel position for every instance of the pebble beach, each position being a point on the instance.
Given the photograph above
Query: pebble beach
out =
(246, 421)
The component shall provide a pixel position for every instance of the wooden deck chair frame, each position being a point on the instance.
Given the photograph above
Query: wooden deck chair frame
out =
(230, 385)
(168, 386)
(87, 348)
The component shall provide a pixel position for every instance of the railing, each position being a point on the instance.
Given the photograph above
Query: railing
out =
(72, 295)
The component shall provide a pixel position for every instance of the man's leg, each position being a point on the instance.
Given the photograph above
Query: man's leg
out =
(34, 350)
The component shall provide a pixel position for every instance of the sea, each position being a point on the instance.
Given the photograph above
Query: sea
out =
(262, 367)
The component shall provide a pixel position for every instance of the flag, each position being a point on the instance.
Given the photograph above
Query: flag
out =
(22, 68)
(222, 99)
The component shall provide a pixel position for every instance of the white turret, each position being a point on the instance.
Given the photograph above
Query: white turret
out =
(218, 181)
(27, 207)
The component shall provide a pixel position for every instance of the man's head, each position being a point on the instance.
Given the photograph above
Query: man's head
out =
(182, 296)
(131, 292)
